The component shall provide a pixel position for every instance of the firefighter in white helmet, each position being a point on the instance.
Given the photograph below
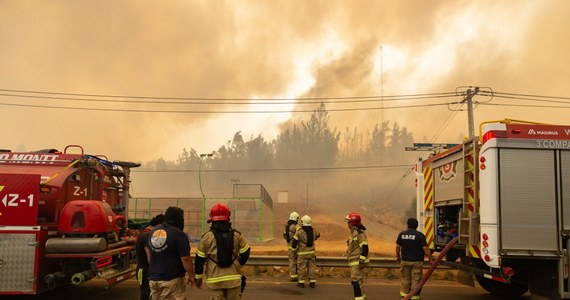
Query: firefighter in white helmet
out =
(357, 254)
(290, 229)
(222, 251)
(304, 244)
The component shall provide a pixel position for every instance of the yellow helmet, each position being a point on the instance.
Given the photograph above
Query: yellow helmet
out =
(306, 220)
(294, 216)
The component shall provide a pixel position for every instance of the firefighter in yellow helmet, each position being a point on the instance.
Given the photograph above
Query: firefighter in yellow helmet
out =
(357, 254)
(290, 229)
(304, 244)
(223, 251)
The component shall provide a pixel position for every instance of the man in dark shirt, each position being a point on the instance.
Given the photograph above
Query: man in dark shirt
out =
(142, 259)
(411, 246)
(168, 249)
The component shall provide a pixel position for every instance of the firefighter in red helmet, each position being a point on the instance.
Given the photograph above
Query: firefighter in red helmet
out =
(222, 252)
(357, 254)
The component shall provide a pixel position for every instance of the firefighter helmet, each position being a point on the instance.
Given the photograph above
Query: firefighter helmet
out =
(294, 216)
(354, 219)
(306, 220)
(219, 212)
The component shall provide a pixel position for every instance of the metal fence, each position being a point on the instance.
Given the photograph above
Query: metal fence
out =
(251, 211)
(144, 209)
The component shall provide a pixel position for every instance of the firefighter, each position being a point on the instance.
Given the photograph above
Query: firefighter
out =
(168, 250)
(304, 244)
(290, 229)
(411, 246)
(142, 259)
(222, 252)
(357, 254)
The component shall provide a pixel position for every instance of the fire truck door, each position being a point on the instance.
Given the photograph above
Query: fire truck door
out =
(17, 261)
(527, 203)
(565, 174)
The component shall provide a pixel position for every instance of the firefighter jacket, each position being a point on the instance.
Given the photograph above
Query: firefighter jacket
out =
(289, 233)
(357, 251)
(304, 241)
(207, 258)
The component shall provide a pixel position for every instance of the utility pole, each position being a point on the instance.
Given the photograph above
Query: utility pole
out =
(202, 156)
(469, 99)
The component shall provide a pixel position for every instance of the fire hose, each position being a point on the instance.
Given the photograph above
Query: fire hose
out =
(431, 269)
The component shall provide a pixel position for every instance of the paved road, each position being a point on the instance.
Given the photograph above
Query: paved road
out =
(278, 289)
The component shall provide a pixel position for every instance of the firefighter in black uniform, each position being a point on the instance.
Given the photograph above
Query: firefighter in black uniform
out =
(142, 260)
(411, 246)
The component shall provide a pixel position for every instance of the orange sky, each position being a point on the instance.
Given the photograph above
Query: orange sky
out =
(267, 50)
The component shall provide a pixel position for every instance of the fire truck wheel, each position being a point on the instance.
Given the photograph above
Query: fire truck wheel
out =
(503, 290)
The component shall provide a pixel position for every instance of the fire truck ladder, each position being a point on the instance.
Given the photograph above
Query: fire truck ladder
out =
(469, 226)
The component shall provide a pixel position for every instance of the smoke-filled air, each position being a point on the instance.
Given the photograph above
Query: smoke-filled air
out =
(315, 98)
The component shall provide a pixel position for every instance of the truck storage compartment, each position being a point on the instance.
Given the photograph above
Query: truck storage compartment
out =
(447, 223)
(527, 202)
(17, 262)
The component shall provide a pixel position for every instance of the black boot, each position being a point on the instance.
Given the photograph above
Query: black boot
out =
(356, 289)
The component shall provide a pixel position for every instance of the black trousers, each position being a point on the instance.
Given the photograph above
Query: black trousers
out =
(142, 277)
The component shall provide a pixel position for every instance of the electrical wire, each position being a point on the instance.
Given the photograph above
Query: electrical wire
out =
(524, 96)
(525, 105)
(317, 169)
(210, 101)
(219, 111)
(317, 99)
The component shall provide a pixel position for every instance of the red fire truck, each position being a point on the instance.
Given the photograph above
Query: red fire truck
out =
(506, 196)
(62, 220)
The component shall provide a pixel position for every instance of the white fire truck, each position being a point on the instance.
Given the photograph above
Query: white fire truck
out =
(506, 196)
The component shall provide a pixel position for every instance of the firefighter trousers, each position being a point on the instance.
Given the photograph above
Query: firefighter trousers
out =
(357, 279)
(293, 274)
(411, 274)
(306, 268)
(225, 294)
(168, 289)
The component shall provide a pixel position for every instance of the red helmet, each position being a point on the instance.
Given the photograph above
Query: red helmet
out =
(354, 219)
(219, 212)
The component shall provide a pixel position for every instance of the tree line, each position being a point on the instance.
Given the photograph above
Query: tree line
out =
(311, 160)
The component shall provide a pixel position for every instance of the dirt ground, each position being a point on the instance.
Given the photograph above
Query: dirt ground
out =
(334, 234)
(382, 230)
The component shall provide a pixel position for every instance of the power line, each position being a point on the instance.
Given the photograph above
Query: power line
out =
(217, 111)
(58, 96)
(525, 96)
(336, 169)
(314, 99)
(525, 105)
(209, 101)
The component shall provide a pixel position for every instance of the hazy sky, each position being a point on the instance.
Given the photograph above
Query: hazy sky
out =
(265, 50)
